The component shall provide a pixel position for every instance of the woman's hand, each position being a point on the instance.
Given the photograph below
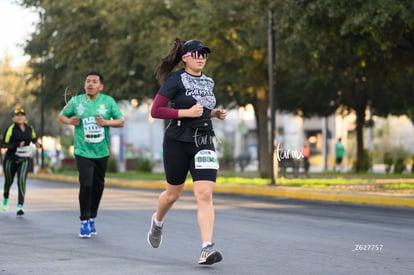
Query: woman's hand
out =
(220, 114)
(195, 111)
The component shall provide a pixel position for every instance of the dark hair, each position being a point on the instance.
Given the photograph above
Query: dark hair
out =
(168, 63)
(93, 72)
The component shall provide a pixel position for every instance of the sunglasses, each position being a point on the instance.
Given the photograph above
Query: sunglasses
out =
(19, 111)
(197, 54)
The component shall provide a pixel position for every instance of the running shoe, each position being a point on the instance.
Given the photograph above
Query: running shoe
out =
(209, 255)
(154, 236)
(85, 231)
(5, 204)
(20, 211)
(92, 226)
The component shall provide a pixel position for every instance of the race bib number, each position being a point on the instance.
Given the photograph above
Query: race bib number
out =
(93, 133)
(24, 152)
(206, 159)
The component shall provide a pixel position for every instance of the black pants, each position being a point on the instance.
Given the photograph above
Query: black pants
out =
(306, 164)
(92, 182)
(10, 168)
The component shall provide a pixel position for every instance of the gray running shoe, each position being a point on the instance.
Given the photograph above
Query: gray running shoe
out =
(209, 255)
(154, 236)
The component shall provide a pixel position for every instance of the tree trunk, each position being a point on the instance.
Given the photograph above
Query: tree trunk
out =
(360, 122)
(263, 133)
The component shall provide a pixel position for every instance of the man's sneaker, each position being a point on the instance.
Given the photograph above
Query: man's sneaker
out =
(20, 211)
(92, 228)
(154, 236)
(85, 231)
(209, 255)
(5, 204)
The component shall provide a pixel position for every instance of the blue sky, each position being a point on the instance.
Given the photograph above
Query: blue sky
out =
(16, 24)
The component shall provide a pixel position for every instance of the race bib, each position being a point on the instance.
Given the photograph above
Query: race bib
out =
(24, 152)
(206, 159)
(93, 133)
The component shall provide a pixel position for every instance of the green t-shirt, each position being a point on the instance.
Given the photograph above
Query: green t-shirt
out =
(91, 140)
(340, 150)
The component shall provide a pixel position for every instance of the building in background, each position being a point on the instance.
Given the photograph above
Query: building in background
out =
(141, 138)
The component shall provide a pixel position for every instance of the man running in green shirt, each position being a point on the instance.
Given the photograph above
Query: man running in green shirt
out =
(92, 114)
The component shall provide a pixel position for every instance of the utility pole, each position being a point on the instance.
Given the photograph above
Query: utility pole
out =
(271, 55)
(42, 170)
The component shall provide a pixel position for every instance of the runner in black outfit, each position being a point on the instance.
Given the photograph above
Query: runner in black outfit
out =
(186, 97)
(17, 138)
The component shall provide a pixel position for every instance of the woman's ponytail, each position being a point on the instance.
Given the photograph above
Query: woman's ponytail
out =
(168, 63)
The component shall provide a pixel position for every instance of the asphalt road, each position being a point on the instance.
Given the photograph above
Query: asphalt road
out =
(256, 235)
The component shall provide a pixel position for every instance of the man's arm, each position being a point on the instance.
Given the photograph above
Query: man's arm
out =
(116, 123)
(74, 120)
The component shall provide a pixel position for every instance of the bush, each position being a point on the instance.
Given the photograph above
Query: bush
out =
(399, 166)
(144, 165)
(112, 165)
(224, 149)
(395, 160)
(367, 165)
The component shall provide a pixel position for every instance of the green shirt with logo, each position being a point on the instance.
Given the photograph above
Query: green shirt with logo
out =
(90, 139)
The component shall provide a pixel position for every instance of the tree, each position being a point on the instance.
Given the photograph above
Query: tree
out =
(329, 53)
(359, 50)
(16, 91)
(237, 33)
(74, 35)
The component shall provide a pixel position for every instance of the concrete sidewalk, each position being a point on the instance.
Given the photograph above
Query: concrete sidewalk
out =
(354, 197)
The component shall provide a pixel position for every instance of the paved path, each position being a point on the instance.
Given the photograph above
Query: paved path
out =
(257, 235)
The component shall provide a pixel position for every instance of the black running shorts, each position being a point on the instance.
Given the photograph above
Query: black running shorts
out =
(181, 157)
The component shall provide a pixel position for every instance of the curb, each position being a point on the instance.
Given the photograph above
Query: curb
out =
(390, 200)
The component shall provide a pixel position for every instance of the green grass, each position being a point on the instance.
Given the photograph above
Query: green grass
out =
(398, 186)
(326, 180)
(314, 182)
